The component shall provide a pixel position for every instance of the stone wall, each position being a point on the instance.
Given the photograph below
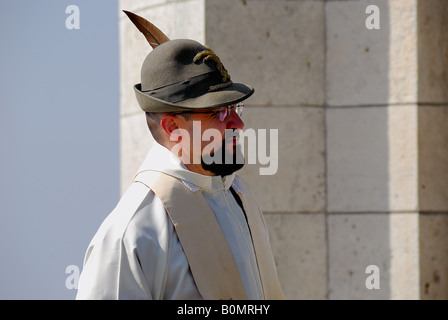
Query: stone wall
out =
(362, 124)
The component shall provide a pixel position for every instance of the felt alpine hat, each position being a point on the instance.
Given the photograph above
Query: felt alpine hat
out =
(182, 74)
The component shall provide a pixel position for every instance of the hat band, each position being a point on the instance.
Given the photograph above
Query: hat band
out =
(190, 88)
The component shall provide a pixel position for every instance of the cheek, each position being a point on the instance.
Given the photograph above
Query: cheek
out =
(207, 132)
(212, 138)
(213, 128)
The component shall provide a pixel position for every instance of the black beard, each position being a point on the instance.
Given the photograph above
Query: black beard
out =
(224, 168)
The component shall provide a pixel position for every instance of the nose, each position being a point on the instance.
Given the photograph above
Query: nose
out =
(234, 121)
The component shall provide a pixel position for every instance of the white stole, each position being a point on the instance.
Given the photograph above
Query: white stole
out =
(211, 262)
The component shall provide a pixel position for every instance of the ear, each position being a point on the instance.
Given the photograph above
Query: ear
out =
(169, 123)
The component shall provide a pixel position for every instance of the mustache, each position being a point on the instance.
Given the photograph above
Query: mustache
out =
(222, 162)
(222, 154)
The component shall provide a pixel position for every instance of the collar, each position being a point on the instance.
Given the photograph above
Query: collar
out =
(236, 185)
(163, 160)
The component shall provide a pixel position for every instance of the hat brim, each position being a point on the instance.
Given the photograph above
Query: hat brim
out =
(234, 93)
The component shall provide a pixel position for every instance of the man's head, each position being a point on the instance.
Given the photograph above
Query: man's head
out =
(205, 140)
(192, 106)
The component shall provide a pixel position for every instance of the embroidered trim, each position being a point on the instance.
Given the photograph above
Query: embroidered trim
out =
(239, 187)
(191, 186)
(236, 184)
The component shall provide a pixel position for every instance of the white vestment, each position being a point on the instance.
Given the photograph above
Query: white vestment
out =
(136, 253)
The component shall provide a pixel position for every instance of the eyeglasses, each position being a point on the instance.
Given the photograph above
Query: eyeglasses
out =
(223, 112)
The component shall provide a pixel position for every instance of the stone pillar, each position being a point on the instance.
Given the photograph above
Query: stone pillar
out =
(362, 136)
(387, 149)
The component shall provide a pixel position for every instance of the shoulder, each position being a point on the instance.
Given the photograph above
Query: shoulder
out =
(128, 247)
(138, 217)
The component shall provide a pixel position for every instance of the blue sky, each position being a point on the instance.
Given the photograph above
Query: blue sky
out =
(59, 139)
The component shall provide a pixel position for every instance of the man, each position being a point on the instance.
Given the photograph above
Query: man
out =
(187, 228)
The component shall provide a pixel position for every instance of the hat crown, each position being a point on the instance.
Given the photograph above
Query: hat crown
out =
(173, 62)
(184, 74)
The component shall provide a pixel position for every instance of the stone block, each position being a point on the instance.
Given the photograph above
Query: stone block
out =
(299, 246)
(433, 230)
(404, 272)
(371, 67)
(135, 142)
(433, 158)
(372, 159)
(387, 241)
(299, 183)
(275, 46)
(432, 51)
